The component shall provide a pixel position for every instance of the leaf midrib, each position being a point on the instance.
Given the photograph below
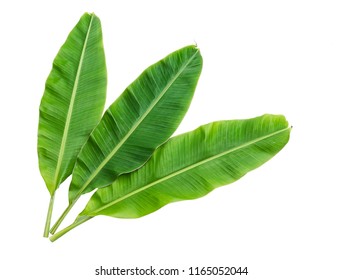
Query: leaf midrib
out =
(71, 107)
(137, 123)
(178, 172)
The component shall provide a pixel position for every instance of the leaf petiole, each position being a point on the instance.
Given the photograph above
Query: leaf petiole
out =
(77, 222)
(48, 217)
(61, 218)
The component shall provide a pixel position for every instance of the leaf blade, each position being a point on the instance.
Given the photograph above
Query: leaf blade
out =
(141, 119)
(75, 86)
(165, 179)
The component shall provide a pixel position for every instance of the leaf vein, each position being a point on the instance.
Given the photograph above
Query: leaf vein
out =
(185, 169)
(72, 101)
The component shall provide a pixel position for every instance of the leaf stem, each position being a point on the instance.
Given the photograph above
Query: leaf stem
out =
(61, 218)
(77, 222)
(48, 217)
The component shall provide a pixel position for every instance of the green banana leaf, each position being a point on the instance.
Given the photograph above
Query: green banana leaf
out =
(189, 166)
(140, 120)
(73, 101)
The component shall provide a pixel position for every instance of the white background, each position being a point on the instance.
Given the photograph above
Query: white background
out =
(282, 221)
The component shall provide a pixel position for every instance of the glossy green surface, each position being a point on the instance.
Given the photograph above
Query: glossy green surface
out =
(73, 101)
(191, 165)
(141, 119)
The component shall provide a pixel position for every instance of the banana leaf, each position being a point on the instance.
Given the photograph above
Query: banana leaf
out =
(141, 119)
(72, 103)
(190, 166)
